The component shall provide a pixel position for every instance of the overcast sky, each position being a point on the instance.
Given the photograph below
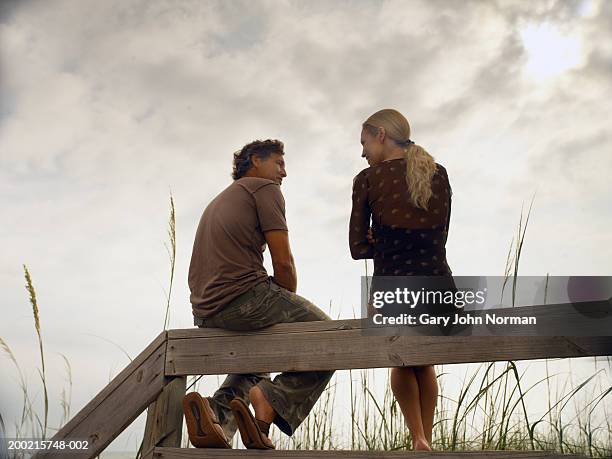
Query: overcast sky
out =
(107, 106)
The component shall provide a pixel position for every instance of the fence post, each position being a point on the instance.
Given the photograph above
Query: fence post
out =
(164, 425)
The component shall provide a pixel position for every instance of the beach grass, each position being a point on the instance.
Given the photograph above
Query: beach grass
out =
(488, 412)
(171, 249)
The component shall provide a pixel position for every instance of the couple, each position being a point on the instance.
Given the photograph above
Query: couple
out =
(403, 190)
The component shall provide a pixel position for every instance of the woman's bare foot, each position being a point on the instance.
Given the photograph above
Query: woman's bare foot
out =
(263, 409)
(421, 445)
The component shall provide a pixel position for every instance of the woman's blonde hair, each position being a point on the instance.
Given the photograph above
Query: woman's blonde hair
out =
(420, 165)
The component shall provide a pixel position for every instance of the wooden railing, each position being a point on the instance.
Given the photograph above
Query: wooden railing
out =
(156, 378)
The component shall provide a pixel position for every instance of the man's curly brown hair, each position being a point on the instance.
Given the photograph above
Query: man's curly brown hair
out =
(261, 148)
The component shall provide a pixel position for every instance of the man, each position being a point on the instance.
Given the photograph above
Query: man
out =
(231, 289)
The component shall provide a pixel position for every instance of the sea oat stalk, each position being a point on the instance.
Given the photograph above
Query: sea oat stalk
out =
(34, 302)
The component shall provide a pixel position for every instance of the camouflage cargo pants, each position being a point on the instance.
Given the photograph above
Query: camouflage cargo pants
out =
(291, 394)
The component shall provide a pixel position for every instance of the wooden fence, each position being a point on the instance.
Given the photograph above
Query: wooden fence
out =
(156, 378)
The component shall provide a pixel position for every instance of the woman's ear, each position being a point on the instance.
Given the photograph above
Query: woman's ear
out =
(380, 135)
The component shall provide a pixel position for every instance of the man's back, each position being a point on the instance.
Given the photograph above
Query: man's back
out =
(227, 257)
(230, 289)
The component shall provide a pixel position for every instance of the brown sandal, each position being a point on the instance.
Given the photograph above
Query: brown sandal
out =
(202, 424)
(253, 431)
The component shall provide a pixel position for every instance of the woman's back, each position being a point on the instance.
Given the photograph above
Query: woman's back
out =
(408, 240)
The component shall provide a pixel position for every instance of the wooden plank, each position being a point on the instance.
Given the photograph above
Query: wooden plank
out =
(350, 350)
(193, 453)
(117, 405)
(278, 329)
(597, 315)
(116, 382)
(332, 345)
(164, 424)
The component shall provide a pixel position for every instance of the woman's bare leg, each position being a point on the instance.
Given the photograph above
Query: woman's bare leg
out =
(428, 393)
(405, 387)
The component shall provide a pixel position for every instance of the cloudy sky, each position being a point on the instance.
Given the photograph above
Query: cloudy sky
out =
(106, 107)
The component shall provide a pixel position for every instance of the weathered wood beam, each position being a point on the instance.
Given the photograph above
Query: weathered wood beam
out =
(344, 344)
(193, 453)
(164, 426)
(117, 405)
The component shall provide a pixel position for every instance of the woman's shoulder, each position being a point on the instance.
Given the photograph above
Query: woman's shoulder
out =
(441, 181)
(381, 167)
(441, 169)
(362, 175)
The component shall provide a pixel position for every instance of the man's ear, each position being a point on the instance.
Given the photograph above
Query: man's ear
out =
(255, 161)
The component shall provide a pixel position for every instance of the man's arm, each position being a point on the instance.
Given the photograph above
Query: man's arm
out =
(282, 259)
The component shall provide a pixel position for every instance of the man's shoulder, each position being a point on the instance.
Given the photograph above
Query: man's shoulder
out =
(254, 184)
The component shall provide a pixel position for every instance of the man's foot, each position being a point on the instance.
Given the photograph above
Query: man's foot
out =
(202, 424)
(261, 406)
(254, 432)
(263, 412)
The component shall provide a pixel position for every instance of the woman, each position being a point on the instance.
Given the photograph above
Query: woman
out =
(400, 218)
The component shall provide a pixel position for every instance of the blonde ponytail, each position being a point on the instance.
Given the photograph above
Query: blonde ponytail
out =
(420, 169)
(420, 165)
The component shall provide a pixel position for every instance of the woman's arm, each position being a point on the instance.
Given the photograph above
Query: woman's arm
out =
(360, 220)
(450, 202)
(449, 214)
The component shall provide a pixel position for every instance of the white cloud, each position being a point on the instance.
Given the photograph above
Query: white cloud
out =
(105, 105)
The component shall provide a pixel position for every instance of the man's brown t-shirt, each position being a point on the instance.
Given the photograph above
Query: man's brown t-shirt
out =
(227, 257)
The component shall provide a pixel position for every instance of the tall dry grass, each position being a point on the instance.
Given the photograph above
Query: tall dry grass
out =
(488, 412)
(42, 373)
(30, 424)
(171, 249)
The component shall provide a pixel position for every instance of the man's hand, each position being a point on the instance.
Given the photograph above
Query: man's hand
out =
(282, 259)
